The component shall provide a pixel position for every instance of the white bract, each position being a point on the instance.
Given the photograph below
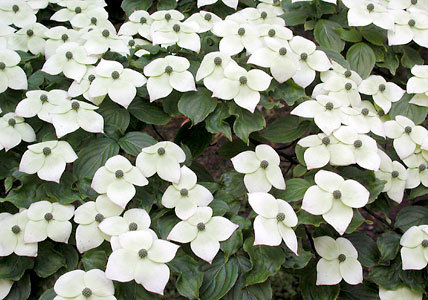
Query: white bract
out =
(29, 38)
(204, 19)
(418, 85)
(204, 232)
(417, 170)
(78, 284)
(82, 88)
(338, 261)
(88, 216)
(166, 74)
(47, 219)
(11, 76)
(364, 118)
(12, 229)
(58, 36)
(410, 25)
(184, 34)
(334, 198)
(231, 3)
(142, 258)
(13, 130)
(329, 1)
(383, 93)
(402, 293)
(261, 169)
(211, 70)
(5, 286)
(186, 195)
(139, 22)
(406, 4)
(117, 178)
(274, 221)
(47, 159)
(100, 40)
(414, 251)
(256, 16)
(163, 158)
(166, 16)
(17, 12)
(242, 86)
(366, 12)
(92, 18)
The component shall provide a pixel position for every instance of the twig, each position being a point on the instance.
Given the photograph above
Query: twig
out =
(157, 132)
(382, 220)
(311, 241)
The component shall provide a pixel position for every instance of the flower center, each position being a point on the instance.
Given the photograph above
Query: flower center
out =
(263, 15)
(208, 17)
(326, 140)
(43, 98)
(282, 51)
(365, 111)
(200, 226)
(131, 43)
(15, 8)
(358, 143)
(143, 20)
(424, 243)
(99, 218)
(382, 87)
(30, 32)
(394, 174)
(91, 77)
(271, 32)
(408, 129)
(329, 106)
(184, 192)
(78, 10)
(118, 174)
(161, 151)
(304, 56)
(381, 113)
(115, 75)
(422, 167)
(243, 80)
(11, 122)
(16, 229)
(105, 33)
(48, 217)
(142, 253)
(133, 226)
(86, 292)
(412, 23)
(47, 151)
(68, 55)
(264, 164)
(2, 66)
(167, 17)
(176, 27)
(75, 105)
(370, 7)
(348, 86)
(337, 194)
(280, 217)
(94, 21)
(341, 258)
(414, 2)
(218, 61)
(64, 37)
(168, 69)
(241, 31)
(348, 73)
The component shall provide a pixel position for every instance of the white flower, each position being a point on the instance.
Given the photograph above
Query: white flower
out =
(311, 60)
(419, 85)
(117, 178)
(91, 18)
(70, 116)
(406, 135)
(101, 39)
(410, 25)
(5, 286)
(236, 37)
(402, 293)
(38, 4)
(88, 217)
(13, 130)
(29, 38)
(338, 70)
(139, 22)
(212, 68)
(338, 261)
(383, 93)
(17, 12)
(58, 36)
(185, 196)
(204, 232)
(5, 33)
(274, 221)
(395, 176)
(72, 9)
(184, 34)
(12, 235)
(204, 19)
(323, 149)
(142, 258)
(278, 57)
(78, 284)
(82, 88)
(366, 12)
(406, 4)
(364, 118)
(47, 159)
(329, 1)
(261, 169)
(166, 74)
(414, 253)
(334, 198)
(273, 6)
(71, 59)
(41, 103)
(417, 170)
(325, 110)
(256, 16)
(231, 3)
(11, 75)
(166, 16)
(345, 89)
(163, 158)
(47, 219)
(116, 81)
(242, 86)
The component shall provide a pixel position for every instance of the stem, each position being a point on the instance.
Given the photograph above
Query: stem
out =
(157, 132)
(311, 241)
(382, 220)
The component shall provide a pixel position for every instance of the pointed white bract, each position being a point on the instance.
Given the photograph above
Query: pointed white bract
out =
(211, 70)
(410, 24)
(204, 19)
(418, 85)
(417, 170)
(184, 34)
(5, 287)
(99, 40)
(402, 293)
(29, 38)
(364, 118)
(13, 130)
(139, 23)
(366, 12)
(414, 251)
(23, 16)
(11, 76)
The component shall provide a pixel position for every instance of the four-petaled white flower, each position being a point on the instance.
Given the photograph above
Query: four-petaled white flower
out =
(47, 159)
(117, 178)
(13, 130)
(47, 219)
(184, 34)
(88, 217)
(338, 261)
(211, 70)
(274, 221)
(411, 24)
(204, 232)
(414, 251)
(29, 38)
(5, 287)
(334, 198)
(12, 229)
(261, 169)
(100, 40)
(418, 85)
(78, 284)
(204, 19)
(58, 36)
(166, 16)
(329, 1)
(82, 88)
(139, 22)
(364, 118)
(142, 258)
(11, 76)
(366, 12)
(402, 293)
(17, 12)
(417, 170)
(185, 196)
(163, 158)
(166, 74)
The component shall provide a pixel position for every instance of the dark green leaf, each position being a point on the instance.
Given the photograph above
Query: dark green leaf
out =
(133, 142)
(327, 35)
(116, 118)
(288, 91)
(411, 57)
(189, 276)
(167, 4)
(150, 113)
(411, 216)
(311, 291)
(418, 192)
(215, 122)
(94, 260)
(129, 6)
(284, 130)
(374, 35)
(233, 243)
(48, 295)
(296, 188)
(293, 261)
(247, 122)
(48, 260)
(306, 218)
(12, 267)
(197, 105)
(367, 290)
(361, 59)
(197, 138)
(388, 244)
(63, 192)
(368, 253)
(352, 35)
(414, 112)
(21, 290)
(230, 149)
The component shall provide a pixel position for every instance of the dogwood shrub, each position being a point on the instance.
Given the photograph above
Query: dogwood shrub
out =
(203, 149)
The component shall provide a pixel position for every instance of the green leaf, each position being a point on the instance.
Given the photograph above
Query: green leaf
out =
(197, 138)
(387, 277)
(414, 112)
(295, 190)
(167, 4)
(48, 295)
(232, 185)
(368, 253)
(327, 35)
(94, 156)
(288, 91)
(418, 192)
(311, 291)
(197, 105)
(233, 243)
(70, 254)
(12, 267)
(149, 113)
(215, 122)
(366, 290)
(391, 62)
(20, 290)
(48, 260)
(23, 195)
(374, 35)
(361, 59)
(352, 35)
(336, 56)
(411, 57)
(94, 260)
(388, 244)
(411, 216)
(134, 141)
(129, 6)
(219, 278)
(230, 149)
(247, 122)
(266, 261)
(308, 219)
(133, 291)
(63, 192)
(285, 129)
(189, 276)
(293, 261)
